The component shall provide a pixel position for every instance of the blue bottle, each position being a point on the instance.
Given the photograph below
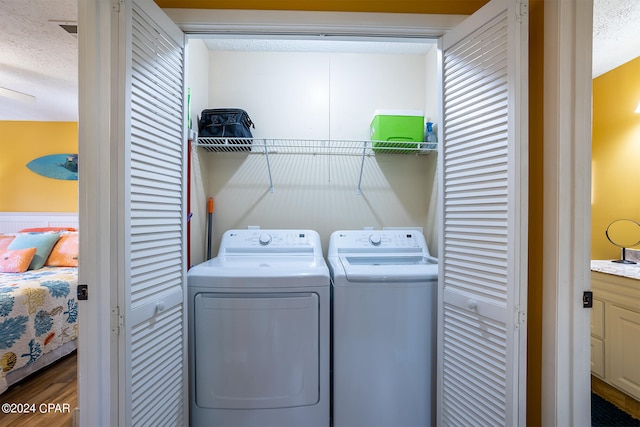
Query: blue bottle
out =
(431, 137)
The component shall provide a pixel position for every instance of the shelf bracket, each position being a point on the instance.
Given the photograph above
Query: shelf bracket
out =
(364, 152)
(266, 156)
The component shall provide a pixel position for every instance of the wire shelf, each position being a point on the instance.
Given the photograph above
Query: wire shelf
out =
(313, 147)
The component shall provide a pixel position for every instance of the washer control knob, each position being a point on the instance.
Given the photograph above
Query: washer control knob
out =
(375, 239)
(265, 239)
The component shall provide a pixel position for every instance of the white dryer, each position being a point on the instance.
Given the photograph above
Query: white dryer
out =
(259, 332)
(384, 290)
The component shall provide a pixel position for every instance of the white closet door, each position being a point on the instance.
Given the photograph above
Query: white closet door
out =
(482, 324)
(151, 216)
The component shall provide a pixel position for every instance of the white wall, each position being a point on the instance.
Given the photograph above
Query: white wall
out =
(317, 192)
(318, 96)
(432, 114)
(198, 81)
(198, 77)
(307, 95)
(362, 83)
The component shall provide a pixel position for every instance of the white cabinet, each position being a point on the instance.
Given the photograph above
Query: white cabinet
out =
(615, 331)
(597, 338)
(623, 347)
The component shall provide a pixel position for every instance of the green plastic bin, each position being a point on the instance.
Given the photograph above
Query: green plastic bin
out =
(397, 130)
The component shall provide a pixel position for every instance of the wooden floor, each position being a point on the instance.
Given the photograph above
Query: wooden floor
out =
(615, 396)
(51, 393)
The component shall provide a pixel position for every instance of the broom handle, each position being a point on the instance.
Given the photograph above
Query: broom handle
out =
(210, 228)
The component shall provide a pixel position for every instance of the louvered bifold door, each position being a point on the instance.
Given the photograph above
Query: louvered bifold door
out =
(482, 331)
(153, 376)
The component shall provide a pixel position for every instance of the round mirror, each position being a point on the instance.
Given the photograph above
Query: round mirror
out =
(624, 233)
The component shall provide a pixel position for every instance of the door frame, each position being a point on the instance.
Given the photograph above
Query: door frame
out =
(568, 27)
(566, 356)
(565, 371)
(97, 345)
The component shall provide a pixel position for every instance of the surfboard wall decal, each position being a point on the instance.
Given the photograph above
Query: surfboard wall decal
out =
(56, 166)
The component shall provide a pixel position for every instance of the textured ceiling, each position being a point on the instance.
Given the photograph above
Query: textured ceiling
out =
(616, 24)
(39, 59)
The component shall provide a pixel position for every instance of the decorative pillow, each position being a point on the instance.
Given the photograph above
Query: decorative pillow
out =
(16, 261)
(46, 229)
(43, 242)
(5, 240)
(65, 252)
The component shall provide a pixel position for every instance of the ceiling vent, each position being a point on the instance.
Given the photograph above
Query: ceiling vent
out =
(70, 28)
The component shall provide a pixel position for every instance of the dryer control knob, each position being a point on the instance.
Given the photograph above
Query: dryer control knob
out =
(375, 240)
(265, 239)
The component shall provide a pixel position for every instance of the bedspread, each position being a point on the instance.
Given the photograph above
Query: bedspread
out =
(38, 313)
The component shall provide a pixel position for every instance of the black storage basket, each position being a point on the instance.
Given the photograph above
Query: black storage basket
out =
(225, 129)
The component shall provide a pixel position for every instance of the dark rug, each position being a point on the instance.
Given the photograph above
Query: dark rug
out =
(606, 414)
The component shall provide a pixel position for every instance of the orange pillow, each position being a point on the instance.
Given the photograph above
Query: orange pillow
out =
(5, 241)
(17, 260)
(65, 252)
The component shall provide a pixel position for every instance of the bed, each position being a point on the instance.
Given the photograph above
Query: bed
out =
(38, 300)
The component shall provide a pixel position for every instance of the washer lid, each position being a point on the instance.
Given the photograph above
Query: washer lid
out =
(359, 268)
(394, 242)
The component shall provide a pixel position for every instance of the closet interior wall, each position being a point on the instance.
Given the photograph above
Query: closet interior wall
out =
(311, 96)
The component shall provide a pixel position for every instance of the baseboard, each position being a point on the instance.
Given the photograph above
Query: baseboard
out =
(615, 396)
(12, 222)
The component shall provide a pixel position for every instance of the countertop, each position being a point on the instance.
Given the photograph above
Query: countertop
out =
(631, 271)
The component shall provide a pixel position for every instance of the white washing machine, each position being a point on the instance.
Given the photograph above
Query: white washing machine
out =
(259, 332)
(384, 290)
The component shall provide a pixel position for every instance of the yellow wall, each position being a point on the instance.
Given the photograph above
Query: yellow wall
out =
(22, 190)
(615, 154)
(455, 7)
